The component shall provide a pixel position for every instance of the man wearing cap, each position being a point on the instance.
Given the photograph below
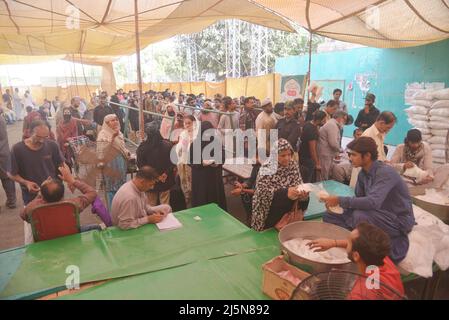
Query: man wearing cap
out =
(413, 152)
(288, 126)
(368, 115)
(267, 121)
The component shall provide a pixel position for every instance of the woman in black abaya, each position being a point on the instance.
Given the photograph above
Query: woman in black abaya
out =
(207, 176)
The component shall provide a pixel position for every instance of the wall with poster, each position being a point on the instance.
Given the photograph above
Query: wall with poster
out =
(292, 87)
(328, 88)
(387, 73)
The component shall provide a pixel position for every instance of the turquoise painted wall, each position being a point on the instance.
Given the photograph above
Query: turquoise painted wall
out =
(389, 70)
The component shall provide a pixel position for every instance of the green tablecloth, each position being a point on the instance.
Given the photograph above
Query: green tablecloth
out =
(147, 254)
(230, 278)
(40, 267)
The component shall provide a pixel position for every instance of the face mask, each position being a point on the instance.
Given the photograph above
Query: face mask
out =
(67, 117)
(171, 113)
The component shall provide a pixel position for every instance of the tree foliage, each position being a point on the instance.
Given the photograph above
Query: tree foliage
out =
(171, 64)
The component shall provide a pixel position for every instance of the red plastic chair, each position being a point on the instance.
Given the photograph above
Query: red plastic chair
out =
(54, 220)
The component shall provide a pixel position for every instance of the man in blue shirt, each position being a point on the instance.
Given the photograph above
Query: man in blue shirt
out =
(381, 198)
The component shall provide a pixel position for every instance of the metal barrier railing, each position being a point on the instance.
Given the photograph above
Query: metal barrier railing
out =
(126, 120)
(195, 108)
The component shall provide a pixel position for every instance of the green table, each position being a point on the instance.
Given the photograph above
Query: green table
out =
(236, 277)
(40, 268)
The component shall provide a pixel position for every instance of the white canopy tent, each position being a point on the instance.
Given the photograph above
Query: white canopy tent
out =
(97, 32)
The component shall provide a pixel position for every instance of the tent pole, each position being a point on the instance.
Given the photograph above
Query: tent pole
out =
(139, 73)
(310, 65)
(85, 79)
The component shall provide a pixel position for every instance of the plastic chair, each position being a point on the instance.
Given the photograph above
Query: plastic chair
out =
(54, 220)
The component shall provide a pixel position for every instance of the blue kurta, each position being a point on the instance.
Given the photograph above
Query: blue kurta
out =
(382, 199)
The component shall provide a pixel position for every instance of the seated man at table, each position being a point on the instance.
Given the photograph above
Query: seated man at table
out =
(381, 198)
(52, 191)
(367, 246)
(414, 153)
(130, 209)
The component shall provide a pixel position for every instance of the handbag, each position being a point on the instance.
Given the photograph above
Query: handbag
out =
(295, 215)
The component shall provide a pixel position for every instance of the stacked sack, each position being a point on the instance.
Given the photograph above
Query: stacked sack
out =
(419, 112)
(439, 124)
(430, 114)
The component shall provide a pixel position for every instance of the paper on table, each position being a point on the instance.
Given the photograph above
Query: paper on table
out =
(169, 223)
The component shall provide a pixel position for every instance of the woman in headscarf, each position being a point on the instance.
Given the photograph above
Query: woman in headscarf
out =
(207, 172)
(110, 136)
(118, 111)
(155, 152)
(66, 129)
(209, 116)
(182, 150)
(277, 188)
(166, 123)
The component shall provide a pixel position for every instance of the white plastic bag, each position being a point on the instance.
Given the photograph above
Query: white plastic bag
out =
(322, 194)
(420, 254)
(417, 173)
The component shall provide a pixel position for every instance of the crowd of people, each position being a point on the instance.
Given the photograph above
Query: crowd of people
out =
(309, 149)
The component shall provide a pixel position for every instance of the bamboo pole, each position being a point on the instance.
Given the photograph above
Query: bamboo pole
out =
(139, 73)
(310, 65)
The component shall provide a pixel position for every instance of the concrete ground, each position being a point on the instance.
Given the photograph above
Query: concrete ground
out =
(11, 225)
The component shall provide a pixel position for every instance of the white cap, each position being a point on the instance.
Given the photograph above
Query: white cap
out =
(266, 102)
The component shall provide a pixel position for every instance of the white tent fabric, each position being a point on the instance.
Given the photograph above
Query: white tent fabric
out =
(374, 23)
(107, 27)
(99, 28)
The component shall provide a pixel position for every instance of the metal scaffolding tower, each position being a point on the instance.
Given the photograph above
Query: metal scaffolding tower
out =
(259, 50)
(233, 28)
(192, 59)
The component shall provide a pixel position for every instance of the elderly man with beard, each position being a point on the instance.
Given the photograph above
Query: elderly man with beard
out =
(34, 160)
(267, 121)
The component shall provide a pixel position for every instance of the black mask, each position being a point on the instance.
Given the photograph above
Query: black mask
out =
(171, 113)
(67, 117)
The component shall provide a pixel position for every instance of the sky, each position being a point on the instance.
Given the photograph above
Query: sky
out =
(30, 74)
